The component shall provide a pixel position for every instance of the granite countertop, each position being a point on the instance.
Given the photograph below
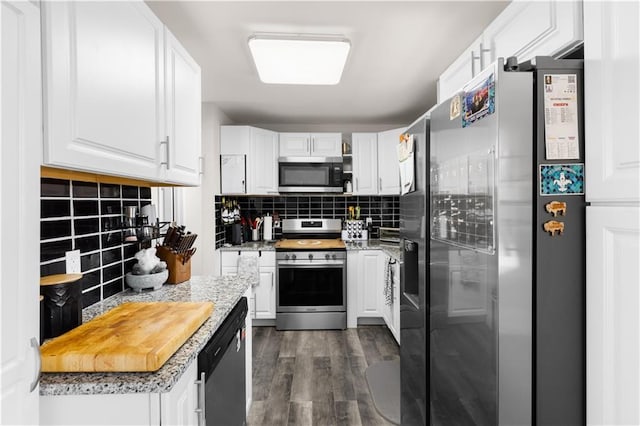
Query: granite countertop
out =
(251, 246)
(392, 249)
(224, 292)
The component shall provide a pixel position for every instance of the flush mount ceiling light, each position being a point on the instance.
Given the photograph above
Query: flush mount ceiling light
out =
(299, 58)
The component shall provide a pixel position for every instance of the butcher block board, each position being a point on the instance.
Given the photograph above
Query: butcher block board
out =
(135, 336)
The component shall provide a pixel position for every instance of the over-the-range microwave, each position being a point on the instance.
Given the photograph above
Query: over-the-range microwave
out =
(310, 174)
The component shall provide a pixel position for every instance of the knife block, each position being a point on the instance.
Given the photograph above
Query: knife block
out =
(179, 271)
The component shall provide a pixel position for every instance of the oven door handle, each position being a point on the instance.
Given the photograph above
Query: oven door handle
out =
(299, 265)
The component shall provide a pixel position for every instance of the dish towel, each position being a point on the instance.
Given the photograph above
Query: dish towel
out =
(388, 282)
(248, 268)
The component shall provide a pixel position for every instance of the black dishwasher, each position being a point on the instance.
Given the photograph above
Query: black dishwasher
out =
(221, 368)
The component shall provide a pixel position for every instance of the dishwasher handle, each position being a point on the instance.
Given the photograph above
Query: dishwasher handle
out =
(200, 411)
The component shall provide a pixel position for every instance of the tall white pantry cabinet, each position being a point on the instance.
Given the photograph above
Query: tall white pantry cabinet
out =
(21, 126)
(612, 133)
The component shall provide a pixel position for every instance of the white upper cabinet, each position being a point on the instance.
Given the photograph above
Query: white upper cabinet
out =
(612, 129)
(365, 163)
(263, 162)
(388, 170)
(461, 70)
(259, 148)
(104, 95)
(524, 29)
(183, 116)
(535, 28)
(310, 144)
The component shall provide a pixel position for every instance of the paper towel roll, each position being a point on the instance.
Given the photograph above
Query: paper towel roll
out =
(267, 225)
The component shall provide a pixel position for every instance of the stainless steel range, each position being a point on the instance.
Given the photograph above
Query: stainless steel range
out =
(311, 275)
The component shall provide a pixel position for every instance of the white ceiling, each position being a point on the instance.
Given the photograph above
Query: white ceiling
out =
(398, 49)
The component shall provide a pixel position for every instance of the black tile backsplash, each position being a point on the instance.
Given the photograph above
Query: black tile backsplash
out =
(86, 226)
(54, 188)
(55, 229)
(85, 208)
(90, 221)
(55, 208)
(85, 190)
(383, 210)
(130, 192)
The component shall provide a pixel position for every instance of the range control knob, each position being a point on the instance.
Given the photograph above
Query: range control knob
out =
(310, 256)
(326, 256)
(293, 257)
(333, 256)
(286, 257)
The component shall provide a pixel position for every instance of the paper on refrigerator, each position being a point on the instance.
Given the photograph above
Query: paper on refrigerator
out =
(561, 117)
(406, 162)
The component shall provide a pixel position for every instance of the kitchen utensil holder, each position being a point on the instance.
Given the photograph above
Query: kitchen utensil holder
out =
(179, 270)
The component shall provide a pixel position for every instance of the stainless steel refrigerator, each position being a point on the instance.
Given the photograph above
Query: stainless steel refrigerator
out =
(493, 253)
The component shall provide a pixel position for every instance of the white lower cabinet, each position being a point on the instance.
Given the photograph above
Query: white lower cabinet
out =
(262, 304)
(176, 407)
(366, 275)
(248, 359)
(613, 320)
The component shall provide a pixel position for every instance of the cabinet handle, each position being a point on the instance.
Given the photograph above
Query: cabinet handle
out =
(166, 144)
(201, 163)
(473, 63)
(357, 186)
(308, 150)
(313, 144)
(244, 188)
(482, 52)
(201, 400)
(380, 183)
(36, 380)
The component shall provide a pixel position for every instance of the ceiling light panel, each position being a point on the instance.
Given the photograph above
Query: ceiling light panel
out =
(299, 60)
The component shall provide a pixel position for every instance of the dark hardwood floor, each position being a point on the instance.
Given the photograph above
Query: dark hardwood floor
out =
(316, 377)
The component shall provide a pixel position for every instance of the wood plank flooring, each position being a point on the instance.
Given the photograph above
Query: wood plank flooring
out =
(316, 377)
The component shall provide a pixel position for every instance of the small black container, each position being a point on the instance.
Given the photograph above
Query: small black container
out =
(62, 304)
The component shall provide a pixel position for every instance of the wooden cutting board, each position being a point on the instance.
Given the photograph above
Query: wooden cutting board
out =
(135, 336)
(310, 244)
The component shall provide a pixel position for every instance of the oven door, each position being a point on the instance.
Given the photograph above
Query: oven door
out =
(311, 288)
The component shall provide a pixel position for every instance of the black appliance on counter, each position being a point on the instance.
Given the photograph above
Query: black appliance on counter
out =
(310, 174)
(221, 369)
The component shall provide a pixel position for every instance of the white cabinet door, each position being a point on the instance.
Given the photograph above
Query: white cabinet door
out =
(104, 87)
(365, 163)
(233, 174)
(183, 114)
(310, 144)
(460, 71)
(611, 69)
(535, 28)
(395, 308)
(295, 144)
(265, 294)
(326, 144)
(178, 406)
(248, 360)
(370, 284)
(263, 178)
(21, 126)
(388, 170)
(613, 320)
(235, 140)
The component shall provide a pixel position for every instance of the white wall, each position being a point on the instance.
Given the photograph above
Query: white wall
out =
(198, 210)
